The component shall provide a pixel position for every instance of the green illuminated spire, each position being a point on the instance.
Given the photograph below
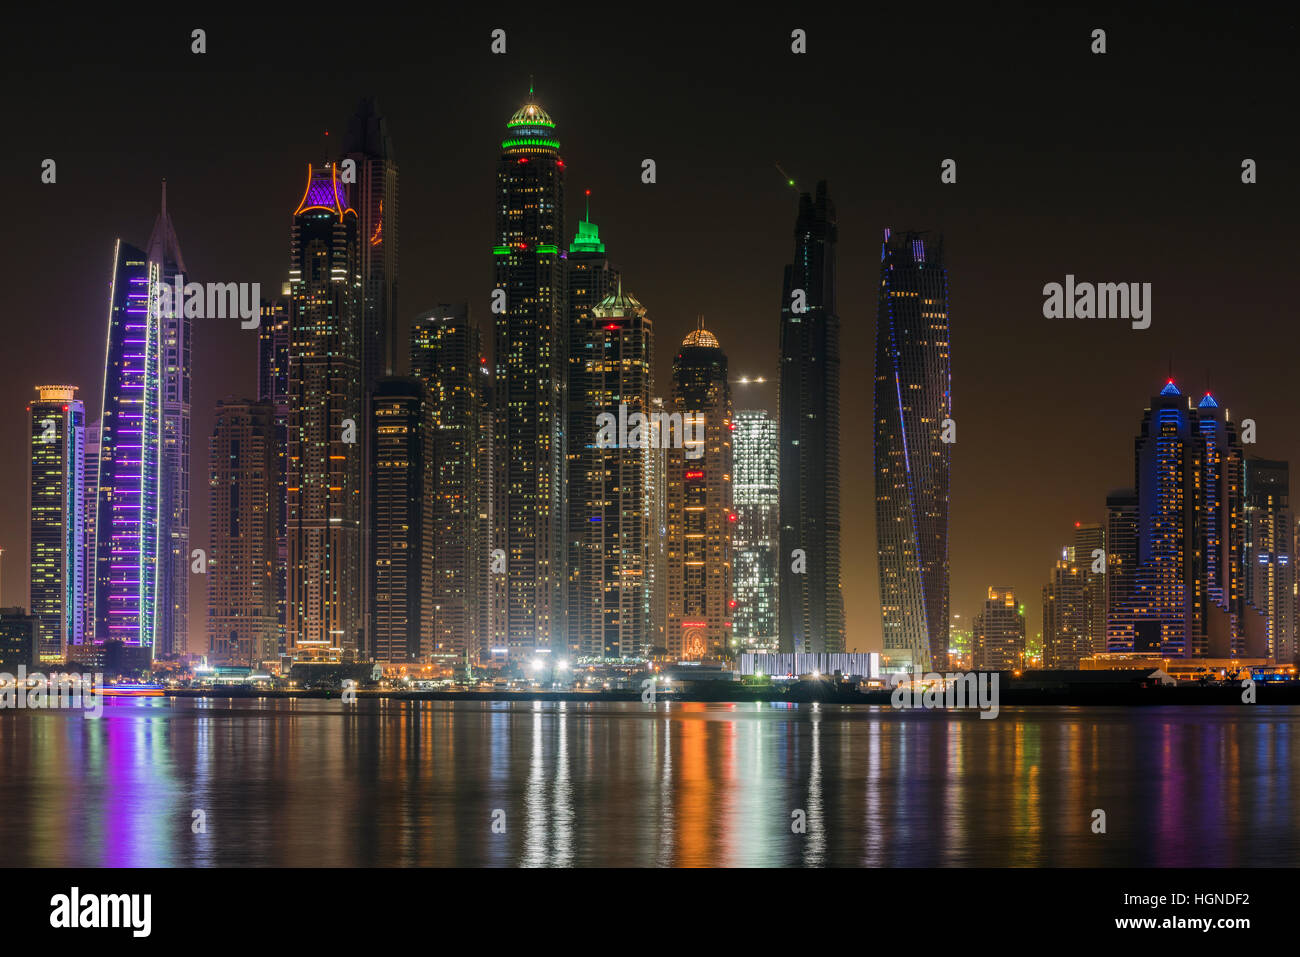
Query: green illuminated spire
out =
(588, 238)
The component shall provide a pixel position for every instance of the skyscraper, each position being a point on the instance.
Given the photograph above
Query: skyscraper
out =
(90, 469)
(913, 401)
(1170, 469)
(1269, 557)
(368, 153)
(529, 384)
(127, 523)
(57, 509)
(756, 536)
(1066, 605)
(447, 357)
(273, 342)
(657, 544)
(610, 510)
(1188, 587)
(1124, 608)
(326, 453)
(375, 197)
(590, 278)
(1090, 555)
(999, 635)
(811, 597)
(243, 489)
(700, 503)
(174, 478)
(401, 522)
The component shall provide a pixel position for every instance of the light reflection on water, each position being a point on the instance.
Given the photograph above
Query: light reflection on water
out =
(302, 783)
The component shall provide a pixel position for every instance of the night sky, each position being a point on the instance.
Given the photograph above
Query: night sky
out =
(1124, 167)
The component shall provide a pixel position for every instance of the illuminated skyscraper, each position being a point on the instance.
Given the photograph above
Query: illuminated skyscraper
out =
(174, 486)
(374, 195)
(1124, 608)
(243, 488)
(273, 387)
(656, 545)
(1089, 552)
(1066, 606)
(1188, 589)
(1269, 561)
(590, 278)
(700, 503)
(127, 505)
(609, 504)
(370, 146)
(913, 398)
(447, 356)
(57, 513)
(1170, 469)
(90, 469)
(529, 385)
(999, 634)
(755, 539)
(811, 596)
(326, 441)
(401, 522)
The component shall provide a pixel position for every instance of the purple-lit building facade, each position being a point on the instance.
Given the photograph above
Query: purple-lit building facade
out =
(127, 502)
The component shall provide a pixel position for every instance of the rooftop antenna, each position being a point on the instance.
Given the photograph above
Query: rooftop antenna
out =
(588, 219)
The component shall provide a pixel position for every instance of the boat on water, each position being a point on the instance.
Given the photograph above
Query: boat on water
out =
(146, 690)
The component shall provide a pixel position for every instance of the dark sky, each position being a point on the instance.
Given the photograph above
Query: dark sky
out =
(1121, 167)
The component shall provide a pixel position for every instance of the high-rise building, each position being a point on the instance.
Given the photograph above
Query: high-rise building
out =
(657, 558)
(447, 357)
(401, 522)
(326, 441)
(756, 536)
(999, 634)
(368, 154)
(1269, 561)
(913, 406)
(1066, 605)
(273, 341)
(243, 490)
(57, 515)
(529, 385)
(590, 279)
(369, 145)
(811, 599)
(1127, 627)
(19, 640)
(90, 469)
(1090, 554)
(1189, 582)
(700, 503)
(164, 250)
(609, 505)
(1224, 488)
(127, 526)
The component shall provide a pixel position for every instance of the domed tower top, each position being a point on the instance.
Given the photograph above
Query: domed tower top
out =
(530, 126)
(700, 337)
(619, 305)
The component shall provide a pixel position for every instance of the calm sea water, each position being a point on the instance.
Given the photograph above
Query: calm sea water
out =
(301, 783)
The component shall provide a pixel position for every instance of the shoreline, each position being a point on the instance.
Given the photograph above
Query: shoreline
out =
(1282, 694)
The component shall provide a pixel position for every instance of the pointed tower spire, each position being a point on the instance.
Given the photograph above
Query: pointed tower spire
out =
(164, 248)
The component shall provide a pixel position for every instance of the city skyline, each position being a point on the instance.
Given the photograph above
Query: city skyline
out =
(1131, 361)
